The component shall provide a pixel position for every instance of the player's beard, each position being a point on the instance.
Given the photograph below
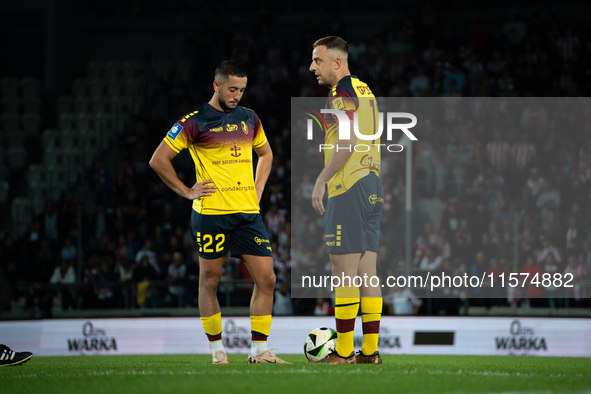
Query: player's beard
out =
(323, 82)
(224, 106)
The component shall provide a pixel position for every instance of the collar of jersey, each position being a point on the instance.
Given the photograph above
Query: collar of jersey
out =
(344, 78)
(211, 107)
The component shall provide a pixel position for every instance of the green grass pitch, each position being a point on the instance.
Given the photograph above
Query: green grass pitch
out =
(399, 374)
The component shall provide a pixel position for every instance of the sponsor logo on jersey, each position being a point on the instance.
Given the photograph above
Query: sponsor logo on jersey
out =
(231, 127)
(261, 240)
(217, 129)
(363, 90)
(244, 128)
(175, 131)
(338, 103)
(237, 189)
(373, 199)
(367, 161)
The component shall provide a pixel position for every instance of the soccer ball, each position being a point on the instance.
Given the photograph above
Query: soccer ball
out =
(319, 343)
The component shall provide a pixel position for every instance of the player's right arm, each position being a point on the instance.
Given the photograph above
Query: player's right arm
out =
(343, 101)
(161, 163)
(337, 161)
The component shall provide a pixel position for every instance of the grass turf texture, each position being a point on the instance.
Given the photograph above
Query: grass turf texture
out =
(398, 374)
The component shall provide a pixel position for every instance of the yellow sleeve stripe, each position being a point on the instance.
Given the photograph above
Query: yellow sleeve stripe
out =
(188, 116)
(169, 143)
(261, 144)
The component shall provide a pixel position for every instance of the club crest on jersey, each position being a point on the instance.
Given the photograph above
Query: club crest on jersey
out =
(244, 128)
(236, 151)
(231, 127)
(175, 131)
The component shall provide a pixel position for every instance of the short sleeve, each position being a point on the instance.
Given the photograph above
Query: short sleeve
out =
(259, 133)
(344, 100)
(179, 135)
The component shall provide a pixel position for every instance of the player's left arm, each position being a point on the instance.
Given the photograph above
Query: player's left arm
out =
(263, 168)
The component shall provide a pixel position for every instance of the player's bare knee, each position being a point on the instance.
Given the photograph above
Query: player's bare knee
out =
(340, 270)
(267, 282)
(210, 280)
(368, 273)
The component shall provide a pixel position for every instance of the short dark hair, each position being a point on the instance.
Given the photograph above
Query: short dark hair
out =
(333, 42)
(227, 68)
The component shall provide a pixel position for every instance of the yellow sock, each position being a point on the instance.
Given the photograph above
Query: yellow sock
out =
(212, 326)
(260, 326)
(371, 313)
(346, 308)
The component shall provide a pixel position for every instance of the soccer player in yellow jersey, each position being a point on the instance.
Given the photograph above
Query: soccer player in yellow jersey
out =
(355, 199)
(220, 136)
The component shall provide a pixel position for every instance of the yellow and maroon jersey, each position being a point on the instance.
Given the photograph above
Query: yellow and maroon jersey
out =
(221, 145)
(351, 95)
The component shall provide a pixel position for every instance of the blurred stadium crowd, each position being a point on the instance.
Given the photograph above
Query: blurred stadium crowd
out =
(91, 223)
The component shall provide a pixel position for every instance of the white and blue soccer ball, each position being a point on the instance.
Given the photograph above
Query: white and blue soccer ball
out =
(320, 342)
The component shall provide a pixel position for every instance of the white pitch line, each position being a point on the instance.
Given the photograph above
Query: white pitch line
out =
(220, 370)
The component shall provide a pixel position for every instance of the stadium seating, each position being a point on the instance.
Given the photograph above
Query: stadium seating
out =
(10, 121)
(20, 212)
(64, 104)
(31, 123)
(4, 192)
(17, 157)
(30, 88)
(95, 69)
(11, 106)
(15, 138)
(50, 138)
(10, 87)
